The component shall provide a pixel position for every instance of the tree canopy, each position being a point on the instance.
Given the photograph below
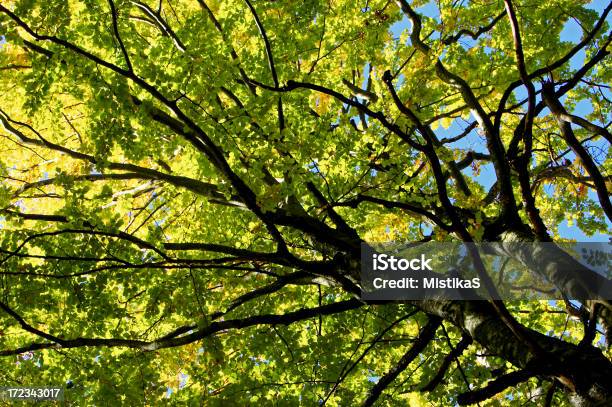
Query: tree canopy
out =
(186, 185)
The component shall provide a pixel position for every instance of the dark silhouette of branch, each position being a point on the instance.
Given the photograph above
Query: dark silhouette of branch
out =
(494, 142)
(233, 53)
(173, 340)
(455, 352)
(126, 56)
(281, 282)
(425, 336)
(555, 65)
(161, 24)
(268, 47)
(494, 387)
(474, 34)
(120, 235)
(563, 89)
(29, 328)
(411, 207)
(14, 66)
(589, 164)
(523, 163)
(346, 370)
(593, 128)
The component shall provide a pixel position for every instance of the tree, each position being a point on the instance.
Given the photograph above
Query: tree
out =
(186, 186)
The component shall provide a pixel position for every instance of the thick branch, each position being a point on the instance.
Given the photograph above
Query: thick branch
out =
(174, 341)
(494, 143)
(496, 386)
(555, 65)
(524, 162)
(589, 164)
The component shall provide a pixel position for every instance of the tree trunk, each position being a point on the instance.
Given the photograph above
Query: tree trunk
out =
(585, 371)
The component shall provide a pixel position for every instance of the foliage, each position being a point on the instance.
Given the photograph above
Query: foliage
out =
(186, 185)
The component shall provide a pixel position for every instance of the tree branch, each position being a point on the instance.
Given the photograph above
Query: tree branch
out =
(496, 386)
(425, 336)
(527, 136)
(161, 24)
(268, 47)
(474, 34)
(453, 355)
(174, 340)
(589, 164)
(126, 56)
(494, 143)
